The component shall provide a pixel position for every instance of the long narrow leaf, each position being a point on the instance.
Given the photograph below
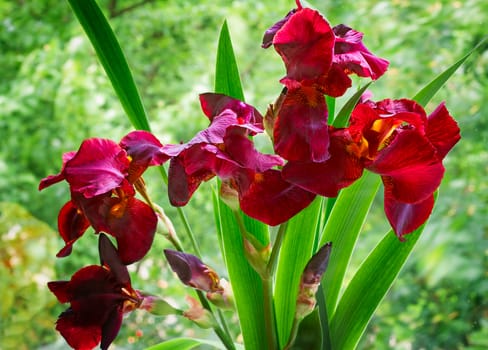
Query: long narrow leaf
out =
(246, 283)
(342, 229)
(227, 79)
(185, 344)
(425, 94)
(112, 59)
(368, 288)
(296, 250)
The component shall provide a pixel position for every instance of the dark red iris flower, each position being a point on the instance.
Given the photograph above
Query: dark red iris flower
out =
(318, 60)
(103, 176)
(225, 150)
(395, 139)
(98, 296)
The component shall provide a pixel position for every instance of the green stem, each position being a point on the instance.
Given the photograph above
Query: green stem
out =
(189, 232)
(273, 259)
(269, 313)
(293, 334)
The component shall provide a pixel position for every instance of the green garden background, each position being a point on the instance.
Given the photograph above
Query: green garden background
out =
(54, 94)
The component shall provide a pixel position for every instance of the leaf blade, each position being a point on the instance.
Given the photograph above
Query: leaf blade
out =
(246, 283)
(296, 250)
(112, 59)
(362, 297)
(227, 79)
(342, 229)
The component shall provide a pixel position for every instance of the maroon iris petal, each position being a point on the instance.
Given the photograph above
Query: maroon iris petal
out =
(110, 257)
(305, 42)
(187, 171)
(131, 221)
(214, 134)
(145, 150)
(52, 179)
(99, 166)
(72, 223)
(59, 289)
(351, 54)
(268, 198)
(134, 231)
(409, 167)
(335, 83)
(214, 104)
(406, 217)
(442, 130)
(270, 33)
(327, 178)
(111, 327)
(79, 337)
(301, 130)
(241, 150)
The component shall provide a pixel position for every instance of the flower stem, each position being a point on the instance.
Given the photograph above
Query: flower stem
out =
(269, 313)
(273, 259)
(293, 334)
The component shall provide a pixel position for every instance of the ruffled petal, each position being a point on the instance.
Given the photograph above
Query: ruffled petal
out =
(442, 130)
(131, 221)
(270, 33)
(409, 167)
(72, 224)
(305, 43)
(269, 199)
(99, 166)
(241, 149)
(351, 54)
(79, 337)
(145, 150)
(326, 178)
(52, 179)
(301, 130)
(187, 171)
(407, 217)
(214, 104)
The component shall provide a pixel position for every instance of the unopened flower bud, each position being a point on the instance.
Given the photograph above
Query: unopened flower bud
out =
(312, 274)
(192, 271)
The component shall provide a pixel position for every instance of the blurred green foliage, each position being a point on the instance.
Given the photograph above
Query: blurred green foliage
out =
(53, 94)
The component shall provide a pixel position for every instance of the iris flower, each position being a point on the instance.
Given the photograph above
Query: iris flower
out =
(225, 150)
(103, 177)
(318, 60)
(99, 296)
(395, 139)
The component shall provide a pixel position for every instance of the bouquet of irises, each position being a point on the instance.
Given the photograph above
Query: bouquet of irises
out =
(287, 222)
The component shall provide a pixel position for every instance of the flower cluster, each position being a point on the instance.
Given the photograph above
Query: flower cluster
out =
(394, 138)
